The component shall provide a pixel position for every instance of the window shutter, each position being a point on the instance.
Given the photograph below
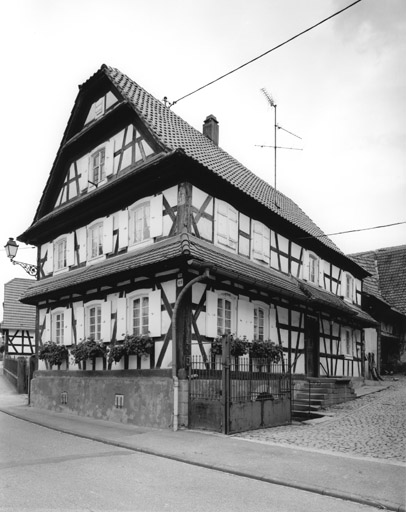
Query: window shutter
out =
(245, 320)
(108, 235)
(67, 327)
(154, 310)
(156, 206)
(233, 226)
(321, 273)
(46, 334)
(106, 322)
(121, 318)
(109, 158)
(123, 229)
(81, 234)
(80, 323)
(84, 175)
(49, 254)
(70, 249)
(222, 222)
(211, 314)
(305, 270)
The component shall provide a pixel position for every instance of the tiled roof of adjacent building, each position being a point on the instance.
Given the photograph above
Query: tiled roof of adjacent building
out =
(17, 315)
(388, 269)
(174, 133)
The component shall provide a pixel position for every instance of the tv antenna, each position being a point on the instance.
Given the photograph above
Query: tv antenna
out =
(272, 103)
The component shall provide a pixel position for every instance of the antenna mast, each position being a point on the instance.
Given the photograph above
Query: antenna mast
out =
(272, 103)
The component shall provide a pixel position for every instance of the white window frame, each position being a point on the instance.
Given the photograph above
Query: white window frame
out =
(56, 259)
(97, 335)
(91, 255)
(265, 308)
(226, 222)
(222, 299)
(347, 342)
(101, 177)
(143, 327)
(140, 205)
(347, 286)
(154, 311)
(58, 326)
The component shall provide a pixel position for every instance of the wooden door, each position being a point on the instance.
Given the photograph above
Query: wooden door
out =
(312, 346)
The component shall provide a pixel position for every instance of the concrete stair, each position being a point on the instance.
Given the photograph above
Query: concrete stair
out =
(312, 395)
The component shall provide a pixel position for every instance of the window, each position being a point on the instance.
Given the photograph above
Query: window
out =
(347, 342)
(259, 324)
(96, 240)
(58, 328)
(93, 322)
(313, 269)
(349, 286)
(140, 315)
(60, 254)
(98, 166)
(223, 316)
(140, 223)
(227, 225)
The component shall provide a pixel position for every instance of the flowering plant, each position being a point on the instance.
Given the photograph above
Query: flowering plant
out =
(53, 353)
(88, 349)
(238, 346)
(266, 349)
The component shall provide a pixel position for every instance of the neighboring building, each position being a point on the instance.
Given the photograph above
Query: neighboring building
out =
(18, 325)
(384, 298)
(138, 204)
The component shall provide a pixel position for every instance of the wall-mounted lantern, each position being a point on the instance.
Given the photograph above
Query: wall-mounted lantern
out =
(11, 251)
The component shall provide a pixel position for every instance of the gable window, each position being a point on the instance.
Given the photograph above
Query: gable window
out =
(58, 328)
(93, 322)
(313, 269)
(140, 223)
(60, 261)
(227, 225)
(96, 240)
(259, 324)
(140, 315)
(98, 166)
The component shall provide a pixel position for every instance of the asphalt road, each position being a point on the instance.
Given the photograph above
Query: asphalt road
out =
(42, 469)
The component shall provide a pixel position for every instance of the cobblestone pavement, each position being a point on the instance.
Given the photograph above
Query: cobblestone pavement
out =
(370, 426)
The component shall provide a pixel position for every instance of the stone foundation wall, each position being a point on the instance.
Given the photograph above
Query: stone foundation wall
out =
(138, 397)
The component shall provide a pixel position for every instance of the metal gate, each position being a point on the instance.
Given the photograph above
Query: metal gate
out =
(234, 394)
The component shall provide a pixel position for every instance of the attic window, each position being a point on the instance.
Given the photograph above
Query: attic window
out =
(99, 107)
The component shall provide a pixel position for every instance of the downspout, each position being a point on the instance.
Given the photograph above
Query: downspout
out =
(174, 365)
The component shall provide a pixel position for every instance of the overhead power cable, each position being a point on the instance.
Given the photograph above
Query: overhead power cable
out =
(353, 230)
(266, 53)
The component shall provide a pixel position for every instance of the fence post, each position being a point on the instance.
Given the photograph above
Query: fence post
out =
(225, 375)
(21, 382)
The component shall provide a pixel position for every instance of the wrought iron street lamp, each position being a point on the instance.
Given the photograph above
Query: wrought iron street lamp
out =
(11, 251)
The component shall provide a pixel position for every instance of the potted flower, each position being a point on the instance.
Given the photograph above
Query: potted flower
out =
(138, 345)
(266, 349)
(238, 346)
(53, 354)
(88, 349)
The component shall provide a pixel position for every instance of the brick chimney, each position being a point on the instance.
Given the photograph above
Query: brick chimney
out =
(211, 129)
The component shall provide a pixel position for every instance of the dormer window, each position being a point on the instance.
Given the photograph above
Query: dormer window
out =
(98, 166)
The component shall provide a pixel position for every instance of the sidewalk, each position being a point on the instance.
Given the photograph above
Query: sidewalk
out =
(372, 482)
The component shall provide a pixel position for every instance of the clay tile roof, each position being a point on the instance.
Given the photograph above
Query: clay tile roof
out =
(17, 315)
(174, 133)
(388, 269)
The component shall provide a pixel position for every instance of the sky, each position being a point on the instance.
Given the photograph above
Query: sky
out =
(340, 87)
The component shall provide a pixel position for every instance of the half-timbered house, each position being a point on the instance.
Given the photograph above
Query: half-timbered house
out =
(145, 226)
(18, 325)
